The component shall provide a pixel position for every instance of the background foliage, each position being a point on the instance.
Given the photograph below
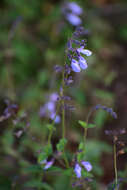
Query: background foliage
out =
(33, 35)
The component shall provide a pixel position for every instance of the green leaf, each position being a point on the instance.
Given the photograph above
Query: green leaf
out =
(33, 169)
(55, 169)
(48, 149)
(38, 184)
(50, 127)
(83, 123)
(100, 118)
(68, 172)
(86, 174)
(42, 156)
(91, 125)
(81, 156)
(81, 146)
(46, 152)
(61, 144)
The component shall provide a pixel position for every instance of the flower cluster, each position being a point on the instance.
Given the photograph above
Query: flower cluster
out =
(72, 11)
(49, 109)
(78, 168)
(109, 110)
(81, 63)
(76, 51)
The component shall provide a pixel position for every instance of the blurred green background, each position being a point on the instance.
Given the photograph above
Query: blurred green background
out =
(33, 36)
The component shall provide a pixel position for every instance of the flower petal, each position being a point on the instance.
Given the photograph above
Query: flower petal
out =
(50, 106)
(77, 170)
(54, 97)
(73, 19)
(75, 66)
(49, 164)
(83, 63)
(75, 8)
(57, 119)
(43, 162)
(84, 51)
(87, 165)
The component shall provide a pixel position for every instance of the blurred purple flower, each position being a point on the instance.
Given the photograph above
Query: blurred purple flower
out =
(56, 117)
(87, 165)
(84, 51)
(77, 170)
(54, 97)
(47, 164)
(50, 106)
(82, 63)
(42, 111)
(72, 11)
(73, 19)
(75, 8)
(49, 109)
(75, 66)
(58, 68)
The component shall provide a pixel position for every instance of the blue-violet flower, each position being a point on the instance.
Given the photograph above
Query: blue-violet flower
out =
(75, 8)
(78, 168)
(75, 66)
(47, 164)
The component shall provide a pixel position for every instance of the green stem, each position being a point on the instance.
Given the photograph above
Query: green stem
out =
(85, 129)
(63, 119)
(51, 131)
(115, 165)
(85, 135)
(40, 178)
(66, 160)
(63, 111)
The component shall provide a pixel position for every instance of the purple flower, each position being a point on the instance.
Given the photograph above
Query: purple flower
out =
(56, 117)
(84, 51)
(47, 164)
(54, 97)
(73, 19)
(49, 109)
(87, 165)
(77, 170)
(82, 63)
(75, 8)
(50, 106)
(58, 68)
(75, 66)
